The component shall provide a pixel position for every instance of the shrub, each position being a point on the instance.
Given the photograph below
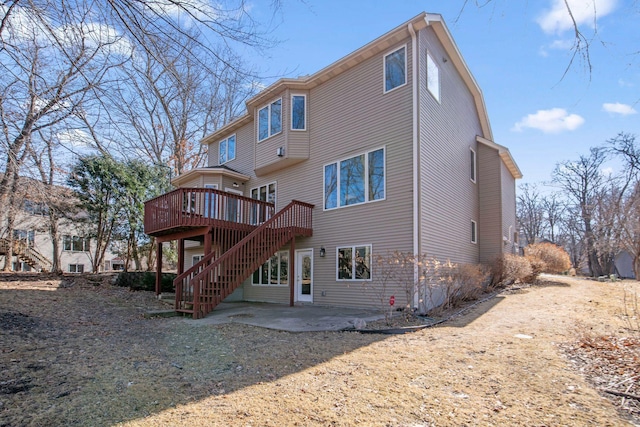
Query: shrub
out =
(556, 260)
(507, 269)
(538, 266)
(145, 281)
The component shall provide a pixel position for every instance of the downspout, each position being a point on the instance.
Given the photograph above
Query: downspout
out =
(416, 170)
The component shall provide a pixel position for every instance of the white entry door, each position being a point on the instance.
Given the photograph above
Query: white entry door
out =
(304, 275)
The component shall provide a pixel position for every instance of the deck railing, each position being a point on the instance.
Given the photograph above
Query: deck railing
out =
(193, 207)
(207, 283)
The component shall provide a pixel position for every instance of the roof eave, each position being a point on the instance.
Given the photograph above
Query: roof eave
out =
(181, 179)
(504, 154)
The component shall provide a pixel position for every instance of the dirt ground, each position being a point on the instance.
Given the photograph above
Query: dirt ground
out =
(78, 351)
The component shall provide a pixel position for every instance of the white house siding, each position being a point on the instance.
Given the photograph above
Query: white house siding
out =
(43, 243)
(449, 199)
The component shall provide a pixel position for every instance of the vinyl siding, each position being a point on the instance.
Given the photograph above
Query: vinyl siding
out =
(490, 225)
(448, 198)
(508, 186)
(349, 115)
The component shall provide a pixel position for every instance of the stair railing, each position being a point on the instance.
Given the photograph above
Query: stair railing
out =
(224, 274)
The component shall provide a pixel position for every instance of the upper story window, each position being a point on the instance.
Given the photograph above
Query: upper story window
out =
(270, 120)
(75, 243)
(227, 150)
(433, 77)
(395, 69)
(355, 180)
(26, 236)
(35, 208)
(298, 112)
(473, 165)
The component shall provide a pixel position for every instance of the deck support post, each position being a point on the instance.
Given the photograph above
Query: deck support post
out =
(180, 256)
(292, 271)
(207, 242)
(159, 268)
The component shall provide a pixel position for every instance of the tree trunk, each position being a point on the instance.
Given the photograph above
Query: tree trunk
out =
(55, 243)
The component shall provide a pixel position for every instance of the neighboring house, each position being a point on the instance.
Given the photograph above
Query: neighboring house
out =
(32, 246)
(387, 149)
(624, 265)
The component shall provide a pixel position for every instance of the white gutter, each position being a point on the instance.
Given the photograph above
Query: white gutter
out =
(416, 153)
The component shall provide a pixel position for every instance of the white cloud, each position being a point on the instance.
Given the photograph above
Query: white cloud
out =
(608, 171)
(619, 108)
(74, 137)
(624, 83)
(554, 120)
(585, 12)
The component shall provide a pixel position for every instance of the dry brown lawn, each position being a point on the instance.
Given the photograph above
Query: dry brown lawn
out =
(79, 352)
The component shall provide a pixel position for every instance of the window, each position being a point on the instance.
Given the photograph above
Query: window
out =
(433, 78)
(355, 180)
(354, 263)
(26, 236)
(35, 208)
(298, 112)
(196, 259)
(75, 243)
(265, 193)
(474, 232)
(76, 268)
(395, 69)
(270, 120)
(273, 272)
(473, 165)
(227, 150)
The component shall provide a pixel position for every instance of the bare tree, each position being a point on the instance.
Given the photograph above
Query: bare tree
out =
(51, 58)
(530, 212)
(628, 201)
(553, 209)
(582, 181)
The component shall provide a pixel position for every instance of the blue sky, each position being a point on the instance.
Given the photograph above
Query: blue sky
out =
(518, 52)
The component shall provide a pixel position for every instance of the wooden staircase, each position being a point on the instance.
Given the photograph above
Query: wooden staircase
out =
(205, 285)
(24, 252)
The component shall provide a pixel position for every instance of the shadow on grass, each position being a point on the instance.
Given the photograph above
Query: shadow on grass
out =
(84, 355)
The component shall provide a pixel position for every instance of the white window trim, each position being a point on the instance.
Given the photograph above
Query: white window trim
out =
(76, 268)
(275, 185)
(474, 178)
(353, 247)
(474, 234)
(234, 154)
(305, 113)
(384, 69)
(194, 261)
(84, 240)
(366, 175)
(269, 285)
(269, 119)
(439, 97)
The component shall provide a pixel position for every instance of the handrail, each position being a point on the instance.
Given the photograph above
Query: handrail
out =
(244, 257)
(202, 207)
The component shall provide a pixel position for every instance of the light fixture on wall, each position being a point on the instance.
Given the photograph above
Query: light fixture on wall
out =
(322, 252)
(280, 151)
(235, 184)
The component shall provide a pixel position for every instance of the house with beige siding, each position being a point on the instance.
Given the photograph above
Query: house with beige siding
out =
(387, 149)
(31, 241)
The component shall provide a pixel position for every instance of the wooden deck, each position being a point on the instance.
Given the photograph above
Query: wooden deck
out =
(187, 209)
